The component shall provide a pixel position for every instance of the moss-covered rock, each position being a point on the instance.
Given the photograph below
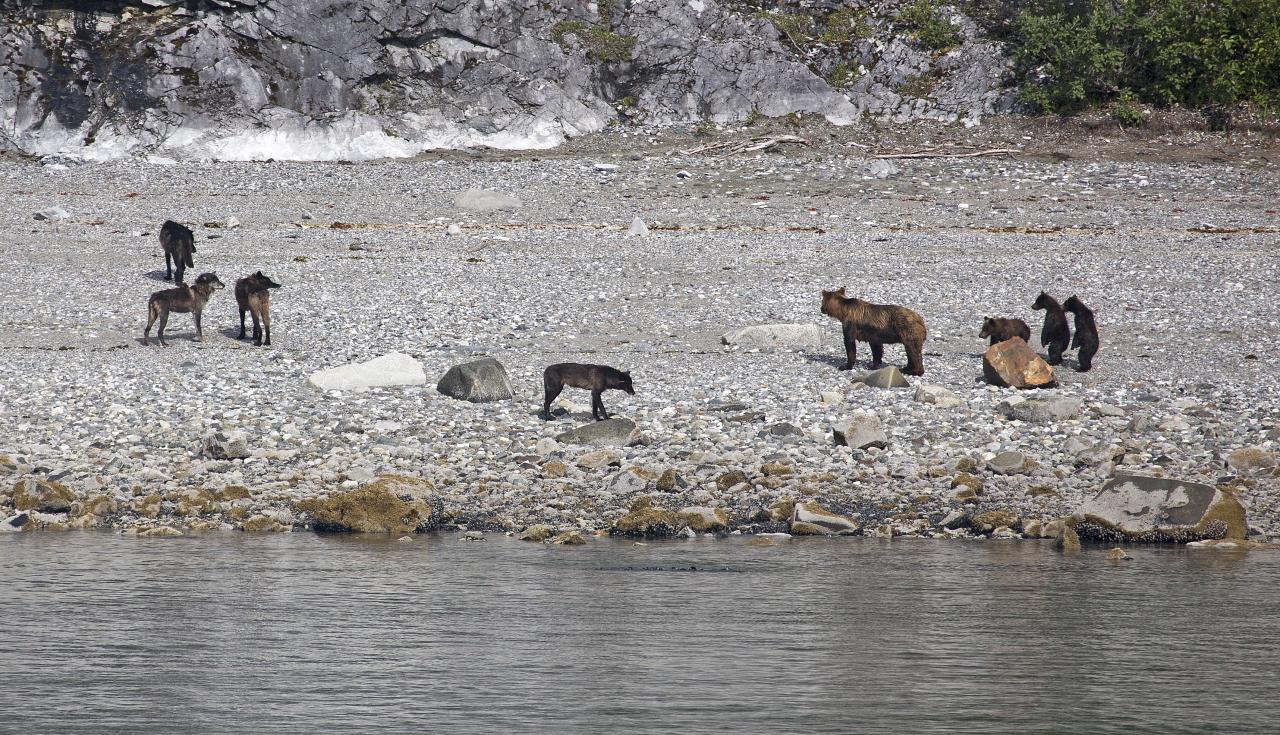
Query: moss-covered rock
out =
(569, 538)
(42, 495)
(264, 524)
(1066, 539)
(993, 519)
(705, 520)
(967, 480)
(670, 481)
(148, 506)
(731, 479)
(776, 469)
(232, 493)
(537, 533)
(554, 469)
(159, 532)
(644, 520)
(390, 504)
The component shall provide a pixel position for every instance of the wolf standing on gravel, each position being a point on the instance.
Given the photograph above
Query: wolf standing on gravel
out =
(253, 295)
(183, 299)
(179, 244)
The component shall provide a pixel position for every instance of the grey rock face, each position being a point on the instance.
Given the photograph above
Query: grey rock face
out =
(257, 79)
(480, 381)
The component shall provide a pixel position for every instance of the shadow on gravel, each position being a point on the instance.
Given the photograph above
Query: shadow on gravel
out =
(831, 360)
(157, 276)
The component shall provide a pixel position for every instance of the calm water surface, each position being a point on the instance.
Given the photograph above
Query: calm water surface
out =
(299, 633)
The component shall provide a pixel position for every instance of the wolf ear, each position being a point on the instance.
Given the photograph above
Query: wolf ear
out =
(627, 373)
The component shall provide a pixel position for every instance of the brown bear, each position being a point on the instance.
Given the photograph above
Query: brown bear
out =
(878, 325)
(1055, 335)
(1086, 337)
(999, 329)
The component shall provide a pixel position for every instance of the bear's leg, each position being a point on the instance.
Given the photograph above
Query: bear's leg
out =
(1055, 352)
(850, 347)
(915, 358)
(877, 355)
(1086, 357)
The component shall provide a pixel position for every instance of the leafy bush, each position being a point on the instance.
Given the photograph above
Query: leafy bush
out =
(1126, 112)
(1071, 54)
(918, 85)
(933, 30)
(845, 26)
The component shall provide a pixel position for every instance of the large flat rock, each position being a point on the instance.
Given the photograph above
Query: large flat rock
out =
(381, 372)
(1142, 508)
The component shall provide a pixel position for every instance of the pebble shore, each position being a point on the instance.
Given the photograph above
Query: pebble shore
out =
(1179, 260)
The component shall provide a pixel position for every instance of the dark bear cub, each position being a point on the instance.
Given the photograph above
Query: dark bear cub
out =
(1001, 329)
(1055, 335)
(1086, 332)
(595, 378)
(877, 325)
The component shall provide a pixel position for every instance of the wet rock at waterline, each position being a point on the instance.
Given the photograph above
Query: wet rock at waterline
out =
(1142, 508)
(811, 519)
(391, 504)
(479, 381)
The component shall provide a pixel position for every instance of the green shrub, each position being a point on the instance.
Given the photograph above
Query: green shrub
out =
(1070, 54)
(1125, 112)
(845, 26)
(797, 28)
(842, 75)
(932, 30)
(918, 85)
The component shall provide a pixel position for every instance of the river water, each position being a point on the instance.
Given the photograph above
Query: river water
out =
(299, 633)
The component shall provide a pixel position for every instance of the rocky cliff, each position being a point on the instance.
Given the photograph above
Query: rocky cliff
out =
(357, 79)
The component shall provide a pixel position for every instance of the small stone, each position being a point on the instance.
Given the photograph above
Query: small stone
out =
(607, 168)
(52, 214)
(638, 228)
(1119, 554)
(453, 230)
(472, 536)
(554, 469)
(1040, 410)
(231, 223)
(1008, 463)
(885, 377)
(160, 532)
(938, 396)
(860, 431)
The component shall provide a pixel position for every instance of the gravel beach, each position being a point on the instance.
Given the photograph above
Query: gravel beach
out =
(1172, 241)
